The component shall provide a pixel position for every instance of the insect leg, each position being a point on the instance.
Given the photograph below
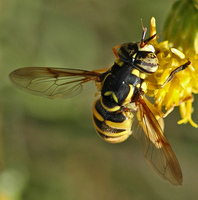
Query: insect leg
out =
(182, 67)
(153, 86)
(114, 49)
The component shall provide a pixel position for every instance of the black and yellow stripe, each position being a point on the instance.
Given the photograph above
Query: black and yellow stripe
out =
(120, 87)
(112, 112)
(113, 127)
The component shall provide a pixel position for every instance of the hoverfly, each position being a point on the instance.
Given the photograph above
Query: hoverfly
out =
(122, 100)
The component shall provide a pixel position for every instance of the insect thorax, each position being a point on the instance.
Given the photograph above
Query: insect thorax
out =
(121, 83)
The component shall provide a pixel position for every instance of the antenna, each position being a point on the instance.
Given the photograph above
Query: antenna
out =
(144, 42)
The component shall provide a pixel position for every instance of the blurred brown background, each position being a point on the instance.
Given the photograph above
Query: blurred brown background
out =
(49, 148)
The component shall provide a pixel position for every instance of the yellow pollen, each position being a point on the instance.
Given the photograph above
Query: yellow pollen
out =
(177, 53)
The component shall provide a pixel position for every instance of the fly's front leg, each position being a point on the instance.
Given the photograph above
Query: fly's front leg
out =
(153, 86)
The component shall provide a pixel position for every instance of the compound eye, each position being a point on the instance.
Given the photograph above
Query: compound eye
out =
(127, 52)
(132, 51)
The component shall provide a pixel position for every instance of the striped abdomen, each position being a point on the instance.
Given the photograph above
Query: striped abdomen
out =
(114, 126)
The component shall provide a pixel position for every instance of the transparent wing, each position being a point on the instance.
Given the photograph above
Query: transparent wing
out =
(53, 82)
(156, 147)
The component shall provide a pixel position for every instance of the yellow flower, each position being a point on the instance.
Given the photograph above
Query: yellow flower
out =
(179, 91)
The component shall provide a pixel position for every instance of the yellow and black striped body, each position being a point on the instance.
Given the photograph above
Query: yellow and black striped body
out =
(122, 90)
(122, 84)
(111, 116)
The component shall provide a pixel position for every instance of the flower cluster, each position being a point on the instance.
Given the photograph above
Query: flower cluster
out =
(179, 91)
